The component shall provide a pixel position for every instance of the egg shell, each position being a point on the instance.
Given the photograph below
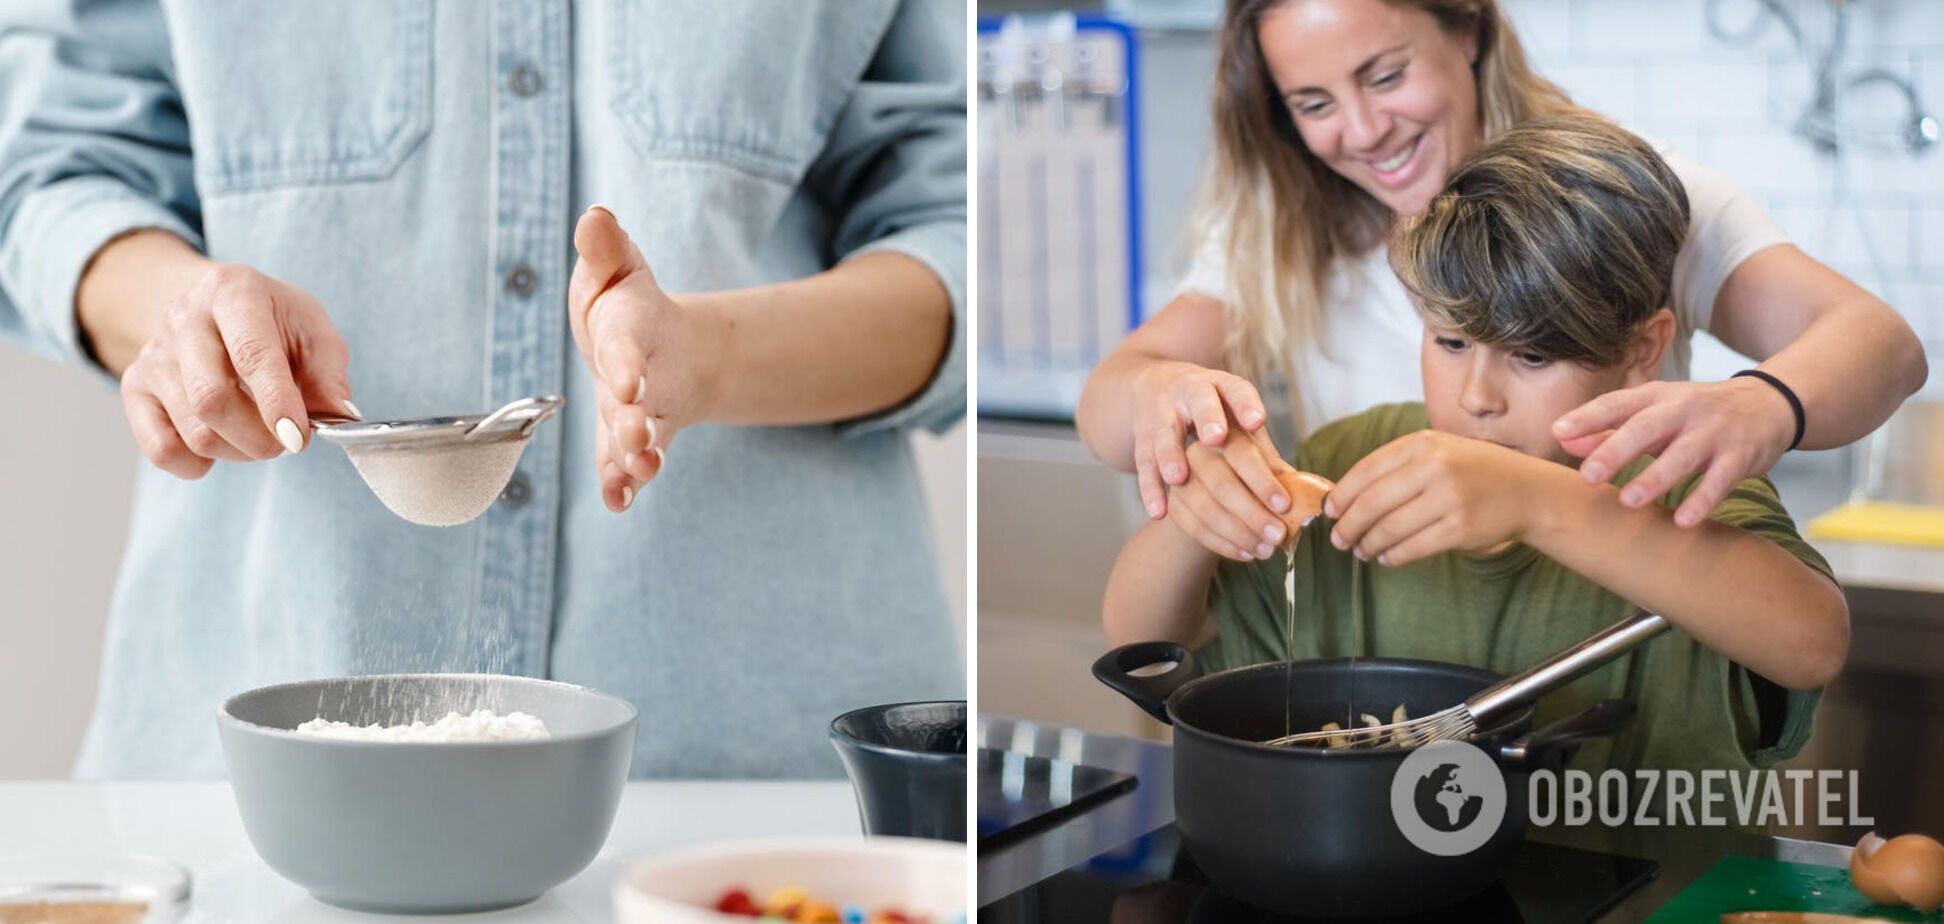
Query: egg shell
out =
(1913, 866)
(1904, 870)
(1306, 493)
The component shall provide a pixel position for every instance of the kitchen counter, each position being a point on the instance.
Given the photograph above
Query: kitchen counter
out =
(196, 825)
(1683, 853)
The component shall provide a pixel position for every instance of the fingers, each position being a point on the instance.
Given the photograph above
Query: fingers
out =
(606, 256)
(156, 434)
(1606, 412)
(163, 382)
(1679, 460)
(211, 396)
(1203, 405)
(1246, 458)
(1244, 402)
(1226, 507)
(1708, 494)
(1169, 456)
(1439, 536)
(255, 348)
(1368, 470)
(1374, 502)
(1397, 526)
(1649, 431)
(1186, 518)
(1579, 447)
(322, 364)
(1147, 476)
(620, 359)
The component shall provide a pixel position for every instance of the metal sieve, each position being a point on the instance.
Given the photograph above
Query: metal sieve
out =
(438, 471)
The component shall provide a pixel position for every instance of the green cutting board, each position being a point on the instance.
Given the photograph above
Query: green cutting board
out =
(1751, 884)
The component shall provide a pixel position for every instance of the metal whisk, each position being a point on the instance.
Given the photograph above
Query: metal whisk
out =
(1493, 702)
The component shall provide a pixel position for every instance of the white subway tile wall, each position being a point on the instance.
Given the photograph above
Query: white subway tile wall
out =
(1656, 66)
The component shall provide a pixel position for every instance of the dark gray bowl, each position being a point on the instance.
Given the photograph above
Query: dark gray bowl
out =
(907, 763)
(426, 828)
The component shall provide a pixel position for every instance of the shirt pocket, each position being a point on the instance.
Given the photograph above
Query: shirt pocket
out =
(289, 94)
(754, 85)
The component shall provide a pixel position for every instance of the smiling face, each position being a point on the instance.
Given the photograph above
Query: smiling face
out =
(1510, 396)
(1378, 91)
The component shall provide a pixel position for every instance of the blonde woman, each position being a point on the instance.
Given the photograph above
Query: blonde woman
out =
(1333, 118)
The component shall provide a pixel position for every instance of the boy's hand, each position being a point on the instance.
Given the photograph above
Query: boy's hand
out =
(1220, 506)
(1430, 492)
(656, 361)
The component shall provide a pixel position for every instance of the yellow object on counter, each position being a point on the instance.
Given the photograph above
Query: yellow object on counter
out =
(1881, 521)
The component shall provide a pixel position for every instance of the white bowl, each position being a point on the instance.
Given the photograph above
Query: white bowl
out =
(917, 877)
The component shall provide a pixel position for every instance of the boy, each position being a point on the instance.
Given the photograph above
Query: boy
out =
(1457, 530)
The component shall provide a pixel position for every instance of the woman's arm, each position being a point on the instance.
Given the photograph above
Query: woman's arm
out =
(1728, 588)
(1158, 590)
(860, 338)
(1850, 357)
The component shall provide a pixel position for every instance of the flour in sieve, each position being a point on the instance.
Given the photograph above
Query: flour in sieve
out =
(482, 725)
(439, 485)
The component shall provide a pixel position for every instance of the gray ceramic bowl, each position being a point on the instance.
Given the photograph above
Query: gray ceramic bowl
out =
(426, 828)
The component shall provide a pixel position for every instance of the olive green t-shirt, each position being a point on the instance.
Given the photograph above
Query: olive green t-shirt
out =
(1507, 611)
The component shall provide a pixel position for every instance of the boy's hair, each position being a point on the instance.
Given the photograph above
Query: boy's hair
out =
(1558, 237)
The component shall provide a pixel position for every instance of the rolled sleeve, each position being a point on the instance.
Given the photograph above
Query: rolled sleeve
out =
(893, 172)
(54, 234)
(94, 143)
(941, 403)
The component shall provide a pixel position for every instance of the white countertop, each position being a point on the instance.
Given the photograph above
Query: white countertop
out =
(196, 825)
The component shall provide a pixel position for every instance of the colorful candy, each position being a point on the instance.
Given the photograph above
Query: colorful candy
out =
(791, 904)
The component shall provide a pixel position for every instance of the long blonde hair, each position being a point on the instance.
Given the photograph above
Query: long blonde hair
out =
(1286, 215)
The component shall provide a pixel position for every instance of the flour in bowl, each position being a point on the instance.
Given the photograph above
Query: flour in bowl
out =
(482, 725)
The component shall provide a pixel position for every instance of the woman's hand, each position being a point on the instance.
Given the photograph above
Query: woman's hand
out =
(1219, 501)
(656, 361)
(1172, 397)
(1727, 430)
(1430, 492)
(230, 372)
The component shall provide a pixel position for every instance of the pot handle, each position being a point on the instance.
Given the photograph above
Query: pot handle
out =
(1550, 747)
(1150, 692)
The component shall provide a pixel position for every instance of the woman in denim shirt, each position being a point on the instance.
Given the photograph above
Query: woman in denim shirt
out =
(244, 210)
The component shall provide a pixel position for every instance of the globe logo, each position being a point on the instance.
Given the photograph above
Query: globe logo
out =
(1442, 802)
(1448, 798)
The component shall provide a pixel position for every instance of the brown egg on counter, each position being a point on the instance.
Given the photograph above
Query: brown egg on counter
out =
(1904, 870)
(1306, 492)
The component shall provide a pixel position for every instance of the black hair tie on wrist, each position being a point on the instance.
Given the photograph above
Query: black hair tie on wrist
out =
(1795, 403)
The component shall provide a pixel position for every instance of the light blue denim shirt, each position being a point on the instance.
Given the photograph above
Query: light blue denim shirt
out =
(418, 166)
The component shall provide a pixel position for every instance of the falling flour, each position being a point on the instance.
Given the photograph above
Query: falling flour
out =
(482, 725)
(442, 485)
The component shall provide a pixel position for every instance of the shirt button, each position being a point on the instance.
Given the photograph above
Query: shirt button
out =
(518, 490)
(522, 280)
(525, 80)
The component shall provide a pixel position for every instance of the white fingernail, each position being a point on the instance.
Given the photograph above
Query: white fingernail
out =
(353, 409)
(287, 434)
(649, 425)
(641, 389)
(627, 496)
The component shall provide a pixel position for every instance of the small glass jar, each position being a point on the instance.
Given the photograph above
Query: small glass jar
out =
(92, 889)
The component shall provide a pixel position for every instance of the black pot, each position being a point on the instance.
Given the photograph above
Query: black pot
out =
(1310, 831)
(907, 763)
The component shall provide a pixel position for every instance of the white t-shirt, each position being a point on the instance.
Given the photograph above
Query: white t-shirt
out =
(1367, 349)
